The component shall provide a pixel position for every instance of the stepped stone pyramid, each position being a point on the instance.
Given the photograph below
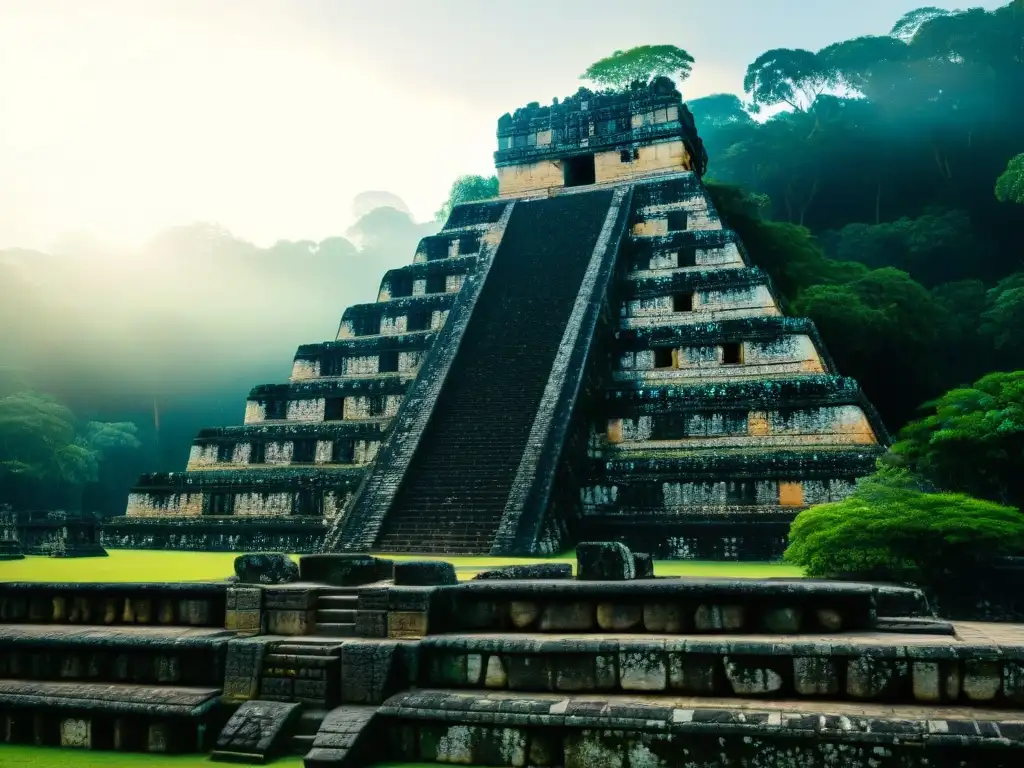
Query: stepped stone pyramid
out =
(591, 355)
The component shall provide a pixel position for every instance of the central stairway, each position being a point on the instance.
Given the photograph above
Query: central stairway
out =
(454, 492)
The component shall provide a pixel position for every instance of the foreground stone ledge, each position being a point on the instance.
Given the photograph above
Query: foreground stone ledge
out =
(618, 731)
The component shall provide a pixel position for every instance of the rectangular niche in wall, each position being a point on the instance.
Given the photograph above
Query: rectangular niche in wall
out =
(579, 171)
(663, 357)
(388, 362)
(334, 409)
(303, 451)
(677, 221)
(418, 321)
(682, 302)
(732, 353)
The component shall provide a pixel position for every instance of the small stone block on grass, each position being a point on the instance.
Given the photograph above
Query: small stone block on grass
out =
(425, 573)
(266, 568)
(604, 561)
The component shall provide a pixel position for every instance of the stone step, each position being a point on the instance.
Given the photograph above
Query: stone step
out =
(336, 616)
(308, 648)
(301, 743)
(336, 629)
(337, 601)
(609, 729)
(294, 661)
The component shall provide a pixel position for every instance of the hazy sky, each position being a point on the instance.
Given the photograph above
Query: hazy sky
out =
(120, 117)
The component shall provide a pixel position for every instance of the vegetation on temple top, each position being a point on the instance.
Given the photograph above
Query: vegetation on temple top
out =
(892, 528)
(467, 189)
(642, 63)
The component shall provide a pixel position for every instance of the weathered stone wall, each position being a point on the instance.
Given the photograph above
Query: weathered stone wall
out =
(706, 305)
(760, 359)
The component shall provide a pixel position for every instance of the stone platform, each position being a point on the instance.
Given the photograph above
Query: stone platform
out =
(616, 731)
(514, 671)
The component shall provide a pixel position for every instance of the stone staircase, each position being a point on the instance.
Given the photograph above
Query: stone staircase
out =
(455, 491)
(305, 672)
(336, 612)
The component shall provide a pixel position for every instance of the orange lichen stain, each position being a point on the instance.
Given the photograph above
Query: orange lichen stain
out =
(757, 424)
(614, 431)
(791, 494)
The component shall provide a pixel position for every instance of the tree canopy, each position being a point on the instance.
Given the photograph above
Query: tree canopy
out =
(791, 76)
(889, 529)
(642, 63)
(1010, 185)
(972, 441)
(466, 189)
(44, 456)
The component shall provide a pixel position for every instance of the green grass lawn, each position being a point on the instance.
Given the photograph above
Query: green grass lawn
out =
(51, 757)
(141, 565)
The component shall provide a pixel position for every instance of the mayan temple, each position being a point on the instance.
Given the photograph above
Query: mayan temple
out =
(590, 356)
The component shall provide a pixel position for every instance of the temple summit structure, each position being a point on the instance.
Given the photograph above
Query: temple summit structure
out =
(592, 355)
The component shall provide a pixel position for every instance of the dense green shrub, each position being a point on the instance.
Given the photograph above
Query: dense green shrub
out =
(891, 529)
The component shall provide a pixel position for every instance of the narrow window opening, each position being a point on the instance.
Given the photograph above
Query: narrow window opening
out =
(277, 409)
(334, 409)
(377, 405)
(367, 325)
(332, 365)
(625, 156)
(676, 221)
(663, 357)
(688, 257)
(224, 452)
(636, 154)
(401, 285)
(308, 504)
(343, 451)
(732, 353)
(303, 451)
(436, 284)
(220, 504)
(388, 362)
(682, 302)
(257, 453)
(579, 171)
(468, 244)
(417, 321)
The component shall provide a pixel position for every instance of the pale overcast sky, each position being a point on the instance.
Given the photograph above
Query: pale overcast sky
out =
(120, 117)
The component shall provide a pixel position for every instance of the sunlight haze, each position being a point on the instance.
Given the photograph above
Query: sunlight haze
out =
(124, 117)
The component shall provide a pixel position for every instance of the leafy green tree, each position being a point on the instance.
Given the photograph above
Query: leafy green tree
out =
(642, 63)
(886, 330)
(909, 23)
(889, 529)
(791, 76)
(717, 111)
(940, 246)
(1003, 319)
(44, 459)
(467, 189)
(1010, 185)
(856, 63)
(972, 441)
